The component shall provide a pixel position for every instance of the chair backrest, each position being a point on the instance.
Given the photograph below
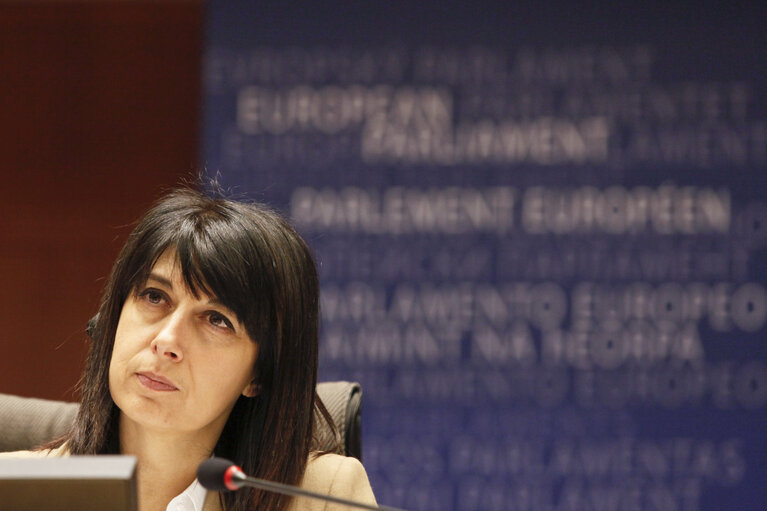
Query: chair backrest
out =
(27, 422)
(343, 400)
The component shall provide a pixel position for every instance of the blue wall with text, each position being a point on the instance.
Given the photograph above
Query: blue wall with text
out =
(541, 236)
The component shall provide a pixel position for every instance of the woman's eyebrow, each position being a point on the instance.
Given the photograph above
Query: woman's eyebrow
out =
(215, 302)
(218, 303)
(160, 280)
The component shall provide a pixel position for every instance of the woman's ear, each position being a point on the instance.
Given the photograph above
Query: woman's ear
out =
(252, 390)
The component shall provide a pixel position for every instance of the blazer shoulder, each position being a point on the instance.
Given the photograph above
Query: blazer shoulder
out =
(58, 452)
(339, 476)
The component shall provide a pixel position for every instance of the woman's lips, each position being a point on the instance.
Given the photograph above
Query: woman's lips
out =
(155, 382)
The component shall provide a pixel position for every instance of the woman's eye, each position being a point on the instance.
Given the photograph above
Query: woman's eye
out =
(153, 296)
(219, 320)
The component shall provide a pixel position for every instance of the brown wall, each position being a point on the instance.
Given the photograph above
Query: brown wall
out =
(99, 111)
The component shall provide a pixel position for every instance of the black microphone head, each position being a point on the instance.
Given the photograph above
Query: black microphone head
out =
(212, 473)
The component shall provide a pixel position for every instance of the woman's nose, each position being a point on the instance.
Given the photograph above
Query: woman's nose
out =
(169, 339)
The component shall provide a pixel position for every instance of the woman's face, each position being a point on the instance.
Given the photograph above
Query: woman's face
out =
(179, 363)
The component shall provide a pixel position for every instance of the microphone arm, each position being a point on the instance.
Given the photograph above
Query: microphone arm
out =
(233, 478)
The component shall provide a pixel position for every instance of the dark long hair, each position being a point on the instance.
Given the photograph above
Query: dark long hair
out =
(256, 264)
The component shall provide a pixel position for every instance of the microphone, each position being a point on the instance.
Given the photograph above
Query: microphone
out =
(219, 474)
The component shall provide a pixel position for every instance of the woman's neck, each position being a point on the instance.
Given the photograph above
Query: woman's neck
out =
(167, 462)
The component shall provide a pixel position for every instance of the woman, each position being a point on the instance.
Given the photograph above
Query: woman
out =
(206, 342)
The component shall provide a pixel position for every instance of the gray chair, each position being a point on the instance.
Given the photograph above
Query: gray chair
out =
(28, 422)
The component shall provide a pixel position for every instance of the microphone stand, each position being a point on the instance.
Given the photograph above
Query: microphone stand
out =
(240, 479)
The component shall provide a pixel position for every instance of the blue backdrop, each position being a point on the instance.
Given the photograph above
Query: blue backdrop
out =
(541, 235)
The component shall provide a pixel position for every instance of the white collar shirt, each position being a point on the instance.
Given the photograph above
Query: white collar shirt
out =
(191, 499)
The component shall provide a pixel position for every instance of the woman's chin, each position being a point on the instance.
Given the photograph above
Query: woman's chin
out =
(151, 415)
